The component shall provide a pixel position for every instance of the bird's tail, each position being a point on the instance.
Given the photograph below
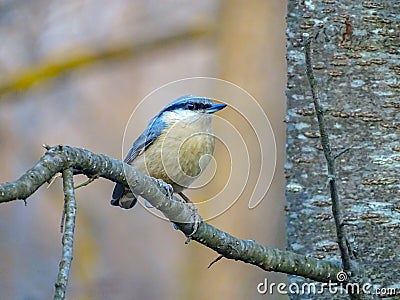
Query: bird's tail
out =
(123, 197)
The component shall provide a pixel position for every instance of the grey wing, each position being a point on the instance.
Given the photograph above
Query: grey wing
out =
(153, 130)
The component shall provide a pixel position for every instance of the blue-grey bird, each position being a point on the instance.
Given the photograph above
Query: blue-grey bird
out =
(171, 146)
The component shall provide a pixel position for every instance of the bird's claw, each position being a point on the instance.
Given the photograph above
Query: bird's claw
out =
(166, 187)
(196, 220)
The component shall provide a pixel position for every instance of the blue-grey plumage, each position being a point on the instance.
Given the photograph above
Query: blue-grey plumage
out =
(176, 146)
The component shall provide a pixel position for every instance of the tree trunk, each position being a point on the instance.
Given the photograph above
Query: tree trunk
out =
(357, 64)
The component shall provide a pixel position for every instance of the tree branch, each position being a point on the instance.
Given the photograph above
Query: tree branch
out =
(53, 67)
(59, 158)
(330, 159)
(68, 236)
(326, 146)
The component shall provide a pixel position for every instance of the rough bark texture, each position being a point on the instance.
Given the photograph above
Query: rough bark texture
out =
(356, 61)
(83, 161)
(68, 226)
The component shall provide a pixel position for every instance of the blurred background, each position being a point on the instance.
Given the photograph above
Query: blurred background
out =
(72, 73)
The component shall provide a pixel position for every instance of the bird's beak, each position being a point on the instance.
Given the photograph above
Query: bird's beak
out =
(214, 108)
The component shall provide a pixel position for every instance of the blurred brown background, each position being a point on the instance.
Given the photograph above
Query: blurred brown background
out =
(132, 48)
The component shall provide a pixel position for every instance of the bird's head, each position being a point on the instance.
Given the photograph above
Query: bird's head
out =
(190, 107)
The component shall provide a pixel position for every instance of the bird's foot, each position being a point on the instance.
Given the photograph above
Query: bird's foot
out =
(195, 216)
(196, 220)
(169, 191)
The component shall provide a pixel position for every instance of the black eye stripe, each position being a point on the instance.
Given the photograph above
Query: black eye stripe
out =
(189, 103)
(194, 106)
(190, 106)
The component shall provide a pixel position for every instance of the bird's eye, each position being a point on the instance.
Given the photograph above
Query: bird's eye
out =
(190, 106)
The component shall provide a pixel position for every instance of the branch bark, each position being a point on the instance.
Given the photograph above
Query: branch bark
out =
(330, 160)
(60, 158)
(68, 236)
(342, 240)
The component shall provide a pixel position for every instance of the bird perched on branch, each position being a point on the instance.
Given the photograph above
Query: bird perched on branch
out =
(175, 147)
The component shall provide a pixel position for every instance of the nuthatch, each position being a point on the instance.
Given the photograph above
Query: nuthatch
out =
(176, 146)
